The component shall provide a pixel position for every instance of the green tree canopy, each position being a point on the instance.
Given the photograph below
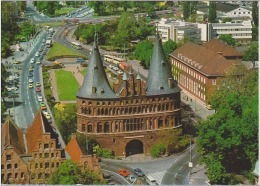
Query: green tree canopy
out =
(70, 173)
(227, 19)
(251, 54)
(255, 13)
(212, 12)
(227, 38)
(143, 52)
(168, 47)
(98, 6)
(228, 140)
(186, 9)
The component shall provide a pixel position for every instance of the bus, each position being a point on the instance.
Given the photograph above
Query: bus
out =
(76, 45)
(113, 59)
(48, 43)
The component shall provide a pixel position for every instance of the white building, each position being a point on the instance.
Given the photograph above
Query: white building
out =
(176, 30)
(242, 32)
(239, 12)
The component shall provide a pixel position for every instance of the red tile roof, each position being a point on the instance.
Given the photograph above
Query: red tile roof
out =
(217, 45)
(12, 135)
(202, 59)
(34, 131)
(74, 150)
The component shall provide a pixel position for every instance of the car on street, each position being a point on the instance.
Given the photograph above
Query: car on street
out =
(38, 62)
(31, 66)
(30, 69)
(48, 116)
(56, 62)
(30, 80)
(39, 98)
(37, 54)
(38, 84)
(43, 107)
(44, 53)
(30, 86)
(123, 172)
(40, 50)
(38, 89)
(138, 172)
(30, 75)
(17, 62)
(32, 61)
(131, 178)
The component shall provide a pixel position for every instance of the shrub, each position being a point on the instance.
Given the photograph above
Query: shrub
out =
(157, 150)
(105, 153)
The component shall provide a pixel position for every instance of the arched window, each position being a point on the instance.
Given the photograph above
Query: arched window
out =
(106, 111)
(99, 128)
(83, 110)
(109, 104)
(103, 103)
(89, 128)
(102, 111)
(89, 103)
(83, 127)
(83, 102)
(106, 127)
(98, 111)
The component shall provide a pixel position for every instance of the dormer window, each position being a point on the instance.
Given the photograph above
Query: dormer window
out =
(83, 102)
(102, 91)
(161, 87)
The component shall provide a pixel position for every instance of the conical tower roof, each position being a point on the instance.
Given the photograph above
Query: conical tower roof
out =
(160, 72)
(95, 84)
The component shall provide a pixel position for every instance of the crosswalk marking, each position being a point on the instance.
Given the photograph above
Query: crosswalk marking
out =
(158, 176)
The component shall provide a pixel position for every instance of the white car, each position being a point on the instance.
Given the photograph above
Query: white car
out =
(131, 178)
(32, 61)
(30, 80)
(37, 54)
(38, 62)
(40, 98)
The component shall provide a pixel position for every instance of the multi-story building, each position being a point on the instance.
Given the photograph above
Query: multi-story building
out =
(30, 156)
(177, 30)
(127, 120)
(241, 32)
(197, 68)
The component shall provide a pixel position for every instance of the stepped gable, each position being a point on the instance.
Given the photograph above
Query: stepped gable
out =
(95, 84)
(218, 46)
(160, 73)
(12, 135)
(202, 59)
(35, 130)
(74, 149)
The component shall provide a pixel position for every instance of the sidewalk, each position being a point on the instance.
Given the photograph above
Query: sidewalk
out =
(198, 176)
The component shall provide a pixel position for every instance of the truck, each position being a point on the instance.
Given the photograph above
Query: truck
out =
(124, 66)
(66, 32)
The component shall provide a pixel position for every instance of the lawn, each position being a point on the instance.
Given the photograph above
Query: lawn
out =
(60, 51)
(52, 24)
(64, 11)
(67, 85)
(83, 72)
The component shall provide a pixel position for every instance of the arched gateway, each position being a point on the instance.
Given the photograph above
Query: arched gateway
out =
(134, 147)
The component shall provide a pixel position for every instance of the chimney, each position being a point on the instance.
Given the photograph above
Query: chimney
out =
(170, 82)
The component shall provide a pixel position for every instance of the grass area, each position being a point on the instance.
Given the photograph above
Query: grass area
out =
(52, 24)
(64, 11)
(67, 85)
(83, 72)
(60, 51)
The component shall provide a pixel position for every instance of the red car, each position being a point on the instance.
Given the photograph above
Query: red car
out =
(38, 89)
(123, 172)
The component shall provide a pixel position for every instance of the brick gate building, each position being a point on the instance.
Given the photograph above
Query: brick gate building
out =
(127, 119)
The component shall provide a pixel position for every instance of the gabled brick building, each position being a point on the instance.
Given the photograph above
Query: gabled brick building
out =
(197, 68)
(30, 156)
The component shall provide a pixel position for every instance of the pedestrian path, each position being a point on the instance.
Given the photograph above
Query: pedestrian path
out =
(158, 176)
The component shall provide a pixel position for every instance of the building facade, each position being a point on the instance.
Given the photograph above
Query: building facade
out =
(197, 75)
(127, 119)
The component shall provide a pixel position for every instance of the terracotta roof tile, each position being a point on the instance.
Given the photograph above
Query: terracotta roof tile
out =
(12, 135)
(34, 131)
(74, 150)
(202, 59)
(219, 46)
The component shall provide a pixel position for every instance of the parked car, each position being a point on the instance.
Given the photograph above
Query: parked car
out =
(17, 62)
(39, 98)
(40, 50)
(32, 61)
(38, 89)
(138, 172)
(38, 84)
(30, 69)
(43, 107)
(131, 178)
(37, 54)
(30, 80)
(30, 86)
(123, 172)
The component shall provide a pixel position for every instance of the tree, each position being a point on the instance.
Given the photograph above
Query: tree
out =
(143, 52)
(81, 138)
(227, 140)
(125, 4)
(27, 28)
(174, 140)
(22, 5)
(212, 12)
(228, 39)
(98, 6)
(168, 47)
(186, 9)
(71, 173)
(66, 119)
(157, 150)
(227, 19)
(255, 33)
(255, 13)
(251, 54)
(184, 40)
